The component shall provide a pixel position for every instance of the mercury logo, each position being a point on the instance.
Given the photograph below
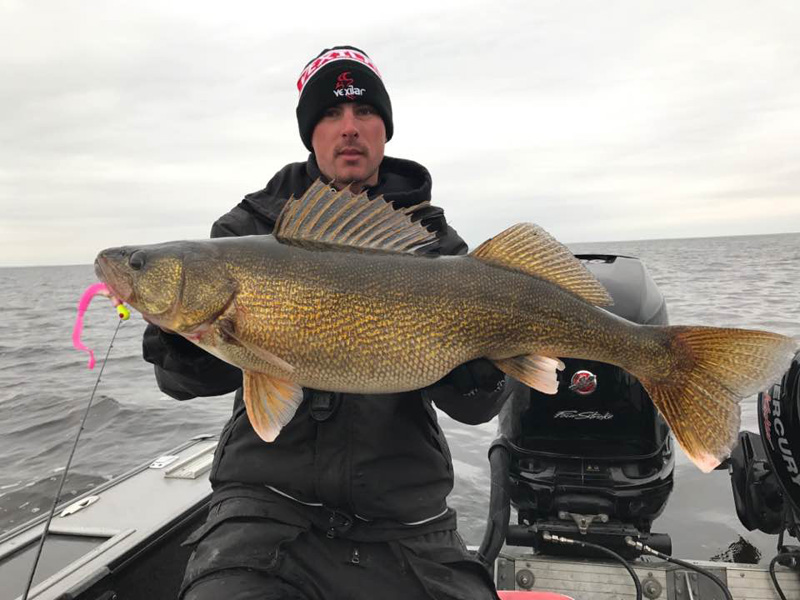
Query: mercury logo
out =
(783, 443)
(583, 383)
(765, 411)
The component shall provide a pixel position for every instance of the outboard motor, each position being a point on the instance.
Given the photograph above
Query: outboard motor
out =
(595, 461)
(765, 468)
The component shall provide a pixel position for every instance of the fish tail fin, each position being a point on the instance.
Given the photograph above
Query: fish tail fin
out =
(713, 370)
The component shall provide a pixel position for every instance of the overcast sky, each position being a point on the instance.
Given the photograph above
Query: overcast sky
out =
(138, 122)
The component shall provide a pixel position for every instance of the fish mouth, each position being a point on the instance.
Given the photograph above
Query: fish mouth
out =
(119, 283)
(115, 268)
(116, 279)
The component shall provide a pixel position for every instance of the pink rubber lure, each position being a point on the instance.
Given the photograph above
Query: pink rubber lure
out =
(97, 289)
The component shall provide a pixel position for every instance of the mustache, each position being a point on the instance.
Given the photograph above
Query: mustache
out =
(357, 146)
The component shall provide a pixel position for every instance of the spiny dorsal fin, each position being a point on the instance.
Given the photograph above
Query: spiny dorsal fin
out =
(529, 248)
(325, 217)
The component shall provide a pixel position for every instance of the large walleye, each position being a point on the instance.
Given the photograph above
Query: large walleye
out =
(339, 299)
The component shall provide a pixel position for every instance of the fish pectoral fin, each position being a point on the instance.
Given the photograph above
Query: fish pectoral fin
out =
(227, 329)
(271, 403)
(326, 218)
(528, 248)
(271, 358)
(537, 372)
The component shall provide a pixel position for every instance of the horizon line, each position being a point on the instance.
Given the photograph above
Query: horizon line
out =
(706, 237)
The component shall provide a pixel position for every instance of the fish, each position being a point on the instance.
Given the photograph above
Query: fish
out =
(343, 297)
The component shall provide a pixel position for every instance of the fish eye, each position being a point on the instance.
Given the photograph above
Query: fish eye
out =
(137, 260)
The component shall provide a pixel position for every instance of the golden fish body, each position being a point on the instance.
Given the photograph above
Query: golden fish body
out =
(339, 300)
(379, 323)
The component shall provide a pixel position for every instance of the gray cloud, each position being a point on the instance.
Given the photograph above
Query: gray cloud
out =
(601, 121)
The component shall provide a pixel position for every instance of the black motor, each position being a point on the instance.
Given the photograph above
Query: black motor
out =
(595, 461)
(765, 469)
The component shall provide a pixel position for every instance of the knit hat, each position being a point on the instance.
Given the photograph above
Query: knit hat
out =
(340, 74)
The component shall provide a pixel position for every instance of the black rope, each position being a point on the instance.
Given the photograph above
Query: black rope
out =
(774, 577)
(637, 584)
(66, 469)
(686, 565)
(562, 540)
(702, 571)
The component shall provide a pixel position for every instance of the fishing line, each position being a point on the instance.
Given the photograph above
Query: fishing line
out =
(69, 462)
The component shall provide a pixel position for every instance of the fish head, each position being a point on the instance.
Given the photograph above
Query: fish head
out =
(180, 286)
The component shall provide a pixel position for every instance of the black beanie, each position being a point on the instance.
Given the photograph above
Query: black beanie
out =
(336, 75)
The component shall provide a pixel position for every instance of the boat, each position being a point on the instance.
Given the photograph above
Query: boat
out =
(585, 501)
(122, 540)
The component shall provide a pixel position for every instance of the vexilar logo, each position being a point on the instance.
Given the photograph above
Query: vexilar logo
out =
(344, 87)
(344, 80)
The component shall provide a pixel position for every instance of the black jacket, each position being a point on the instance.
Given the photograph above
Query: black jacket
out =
(381, 458)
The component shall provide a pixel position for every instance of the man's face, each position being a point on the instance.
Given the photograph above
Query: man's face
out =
(348, 142)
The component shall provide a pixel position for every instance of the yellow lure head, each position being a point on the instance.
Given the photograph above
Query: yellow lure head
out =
(123, 312)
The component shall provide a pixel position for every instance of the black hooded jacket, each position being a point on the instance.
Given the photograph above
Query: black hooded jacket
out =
(379, 458)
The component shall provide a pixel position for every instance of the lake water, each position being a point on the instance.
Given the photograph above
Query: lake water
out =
(751, 281)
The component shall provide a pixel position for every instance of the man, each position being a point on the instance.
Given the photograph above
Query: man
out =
(350, 500)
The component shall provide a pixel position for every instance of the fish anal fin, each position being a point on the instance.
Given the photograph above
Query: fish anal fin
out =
(530, 249)
(537, 372)
(326, 218)
(271, 403)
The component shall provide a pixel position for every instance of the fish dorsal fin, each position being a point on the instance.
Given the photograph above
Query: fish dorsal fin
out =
(530, 249)
(324, 217)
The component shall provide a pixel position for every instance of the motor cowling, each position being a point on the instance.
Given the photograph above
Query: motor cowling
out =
(779, 426)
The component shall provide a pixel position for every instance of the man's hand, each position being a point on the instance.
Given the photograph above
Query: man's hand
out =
(474, 376)
(471, 393)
